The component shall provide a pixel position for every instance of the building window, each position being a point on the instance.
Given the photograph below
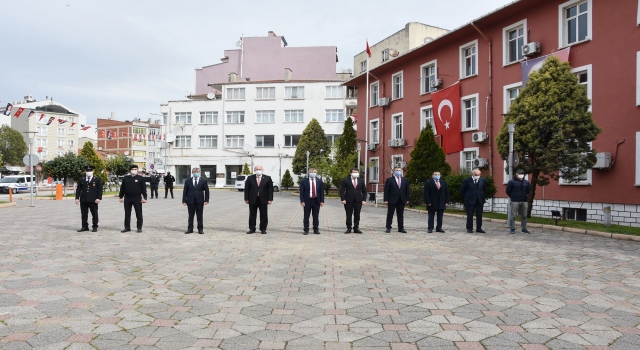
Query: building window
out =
(208, 117)
(470, 112)
(511, 92)
(294, 116)
(513, 40)
(576, 214)
(266, 141)
(265, 116)
(575, 17)
(467, 157)
(294, 92)
(396, 126)
(143, 131)
(70, 143)
(208, 141)
(363, 66)
(397, 85)
(60, 131)
(374, 170)
(236, 117)
(637, 158)
(235, 94)
(139, 154)
(164, 118)
(291, 140)
(41, 130)
(335, 92)
(428, 73)
(60, 154)
(585, 75)
(374, 129)
(374, 94)
(582, 179)
(235, 141)
(334, 115)
(183, 117)
(469, 59)
(427, 119)
(183, 141)
(265, 93)
(333, 139)
(71, 131)
(60, 143)
(152, 155)
(41, 142)
(397, 161)
(42, 155)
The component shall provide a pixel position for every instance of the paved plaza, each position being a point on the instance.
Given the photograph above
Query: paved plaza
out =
(162, 289)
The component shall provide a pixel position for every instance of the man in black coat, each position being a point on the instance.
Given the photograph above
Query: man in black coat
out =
(133, 192)
(353, 194)
(473, 191)
(154, 181)
(396, 196)
(518, 191)
(195, 196)
(168, 184)
(89, 195)
(311, 199)
(436, 196)
(258, 193)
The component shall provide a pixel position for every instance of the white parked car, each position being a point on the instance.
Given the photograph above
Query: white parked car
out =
(240, 183)
(15, 183)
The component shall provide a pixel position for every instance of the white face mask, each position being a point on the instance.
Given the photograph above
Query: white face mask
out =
(475, 177)
(355, 175)
(520, 177)
(258, 172)
(89, 173)
(134, 172)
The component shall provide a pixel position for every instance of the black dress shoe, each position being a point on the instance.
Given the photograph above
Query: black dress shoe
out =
(480, 231)
(348, 231)
(441, 231)
(200, 232)
(139, 230)
(306, 232)
(388, 230)
(95, 229)
(402, 231)
(251, 231)
(429, 231)
(317, 232)
(83, 229)
(126, 230)
(469, 231)
(264, 232)
(188, 232)
(357, 230)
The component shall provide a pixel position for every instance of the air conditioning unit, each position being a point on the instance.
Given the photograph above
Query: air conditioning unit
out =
(384, 102)
(436, 84)
(400, 142)
(371, 146)
(391, 143)
(531, 49)
(480, 137)
(603, 161)
(99, 148)
(402, 164)
(480, 163)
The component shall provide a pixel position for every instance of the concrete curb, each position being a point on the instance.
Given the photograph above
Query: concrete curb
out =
(63, 198)
(7, 205)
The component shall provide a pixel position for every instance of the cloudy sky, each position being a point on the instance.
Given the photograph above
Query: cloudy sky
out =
(127, 56)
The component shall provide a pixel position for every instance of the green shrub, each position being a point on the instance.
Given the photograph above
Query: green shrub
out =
(416, 196)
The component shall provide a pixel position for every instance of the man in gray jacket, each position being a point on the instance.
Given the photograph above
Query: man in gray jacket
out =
(518, 191)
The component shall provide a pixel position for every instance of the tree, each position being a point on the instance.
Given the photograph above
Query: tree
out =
(347, 143)
(119, 164)
(287, 180)
(426, 157)
(554, 127)
(69, 165)
(246, 170)
(12, 146)
(93, 159)
(315, 141)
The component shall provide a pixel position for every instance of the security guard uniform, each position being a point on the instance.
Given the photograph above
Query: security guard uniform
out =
(89, 190)
(133, 190)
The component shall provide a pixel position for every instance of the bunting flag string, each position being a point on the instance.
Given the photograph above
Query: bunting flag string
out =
(61, 121)
(41, 116)
(73, 123)
(85, 128)
(18, 112)
(7, 111)
(50, 120)
(31, 113)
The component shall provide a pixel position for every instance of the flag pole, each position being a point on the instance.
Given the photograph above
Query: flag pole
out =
(366, 120)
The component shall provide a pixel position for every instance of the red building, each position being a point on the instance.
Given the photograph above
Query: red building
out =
(484, 56)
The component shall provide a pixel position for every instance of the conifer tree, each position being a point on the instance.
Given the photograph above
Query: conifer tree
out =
(314, 140)
(287, 180)
(90, 154)
(246, 170)
(426, 158)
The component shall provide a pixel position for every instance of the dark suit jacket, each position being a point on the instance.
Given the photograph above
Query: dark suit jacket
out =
(251, 189)
(434, 196)
(89, 192)
(471, 193)
(392, 193)
(305, 188)
(353, 194)
(195, 195)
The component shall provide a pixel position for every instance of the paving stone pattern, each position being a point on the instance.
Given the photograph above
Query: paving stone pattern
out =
(162, 289)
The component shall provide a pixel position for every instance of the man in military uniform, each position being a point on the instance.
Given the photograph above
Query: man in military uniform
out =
(133, 192)
(168, 184)
(154, 180)
(88, 195)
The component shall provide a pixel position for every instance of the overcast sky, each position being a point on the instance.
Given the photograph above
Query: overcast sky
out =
(128, 56)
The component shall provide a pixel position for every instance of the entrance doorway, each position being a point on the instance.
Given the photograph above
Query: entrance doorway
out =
(232, 172)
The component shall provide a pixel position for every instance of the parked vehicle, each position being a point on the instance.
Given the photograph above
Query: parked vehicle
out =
(16, 183)
(240, 179)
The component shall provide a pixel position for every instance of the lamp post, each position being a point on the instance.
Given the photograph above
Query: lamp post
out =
(280, 168)
(308, 162)
(31, 175)
(512, 130)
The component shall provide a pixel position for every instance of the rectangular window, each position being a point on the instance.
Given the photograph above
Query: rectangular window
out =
(638, 69)
(397, 85)
(42, 155)
(184, 117)
(208, 141)
(266, 141)
(71, 131)
(637, 158)
(385, 55)
(470, 112)
(143, 131)
(294, 92)
(374, 129)
(333, 139)
(183, 141)
(60, 131)
(60, 143)
(469, 59)
(467, 158)
(235, 141)
(335, 92)
(208, 117)
(576, 214)
(334, 115)
(265, 93)
(60, 153)
(140, 154)
(41, 130)
(363, 66)
(510, 93)
(585, 78)
(164, 118)
(428, 73)
(575, 17)
(294, 116)
(152, 154)
(374, 94)
(514, 37)
(235, 94)
(265, 116)
(236, 117)
(397, 126)
(70, 143)
(427, 119)
(41, 142)
(374, 170)
(291, 140)
(397, 161)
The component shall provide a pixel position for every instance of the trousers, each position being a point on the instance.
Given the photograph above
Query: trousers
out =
(312, 207)
(85, 207)
(398, 208)
(195, 210)
(136, 203)
(353, 209)
(166, 190)
(521, 209)
(253, 213)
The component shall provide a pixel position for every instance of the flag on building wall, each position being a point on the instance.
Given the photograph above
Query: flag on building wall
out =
(51, 120)
(135, 137)
(72, 124)
(102, 134)
(368, 49)
(125, 134)
(18, 112)
(160, 137)
(7, 110)
(61, 121)
(534, 65)
(109, 134)
(446, 115)
(85, 128)
(41, 116)
(115, 135)
(31, 114)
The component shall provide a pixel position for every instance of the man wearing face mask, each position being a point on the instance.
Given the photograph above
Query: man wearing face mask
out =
(472, 190)
(168, 184)
(154, 180)
(436, 196)
(89, 195)
(195, 196)
(518, 191)
(258, 193)
(396, 196)
(353, 195)
(133, 192)
(311, 199)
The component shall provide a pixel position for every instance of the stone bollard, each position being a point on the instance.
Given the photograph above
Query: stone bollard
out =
(607, 216)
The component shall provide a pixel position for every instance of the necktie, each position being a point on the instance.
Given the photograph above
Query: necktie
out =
(313, 188)
(355, 183)
(258, 178)
(88, 179)
(196, 181)
(438, 184)
(398, 180)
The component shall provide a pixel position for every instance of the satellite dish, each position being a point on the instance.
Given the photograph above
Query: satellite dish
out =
(126, 153)
(342, 70)
(211, 96)
(428, 40)
(393, 53)
(180, 124)
(170, 138)
(247, 148)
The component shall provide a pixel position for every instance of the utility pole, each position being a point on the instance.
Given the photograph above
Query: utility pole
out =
(512, 130)
(32, 176)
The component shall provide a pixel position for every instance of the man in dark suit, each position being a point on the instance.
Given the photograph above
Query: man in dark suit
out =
(133, 192)
(195, 196)
(89, 195)
(436, 196)
(472, 190)
(258, 193)
(168, 184)
(353, 194)
(396, 196)
(311, 199)
(154, 180)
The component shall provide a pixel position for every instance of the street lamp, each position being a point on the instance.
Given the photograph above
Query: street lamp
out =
(31, 175)
(308, 161)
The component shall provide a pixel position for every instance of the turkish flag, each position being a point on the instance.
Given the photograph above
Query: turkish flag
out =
(39, 149)
(18, 112)
(115, 134)
(41, 116)
(102, 134)
(368, 49)
(447, 116)
(135, 137)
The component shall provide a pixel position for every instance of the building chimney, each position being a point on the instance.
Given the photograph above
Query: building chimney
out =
(233, 77)
(113, 116)
(288, 74)
(271, 33)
